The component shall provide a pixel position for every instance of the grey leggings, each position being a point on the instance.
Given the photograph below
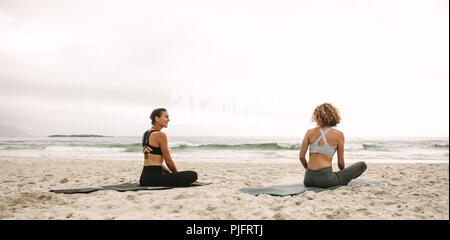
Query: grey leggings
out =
(325, 178)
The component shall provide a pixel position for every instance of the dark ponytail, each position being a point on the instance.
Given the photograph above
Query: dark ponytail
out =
(157, 113)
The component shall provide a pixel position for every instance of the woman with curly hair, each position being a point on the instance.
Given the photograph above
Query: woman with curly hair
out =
(156, 153)
(323, 141)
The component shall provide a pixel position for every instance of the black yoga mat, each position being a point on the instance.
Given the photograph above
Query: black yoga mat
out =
(119, 187)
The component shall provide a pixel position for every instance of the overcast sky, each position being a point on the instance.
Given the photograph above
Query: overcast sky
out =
(224, 67)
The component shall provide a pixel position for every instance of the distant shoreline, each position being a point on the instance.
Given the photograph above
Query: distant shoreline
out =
(77, 135)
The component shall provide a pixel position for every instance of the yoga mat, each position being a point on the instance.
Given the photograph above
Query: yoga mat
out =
(294, 189)
(120, 188)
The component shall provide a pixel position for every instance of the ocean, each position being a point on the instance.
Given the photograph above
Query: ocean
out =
(225, 149)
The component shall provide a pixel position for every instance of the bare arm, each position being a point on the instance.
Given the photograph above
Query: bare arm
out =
(165, 152)
(165, 168)
(340, 151)
(303, 148)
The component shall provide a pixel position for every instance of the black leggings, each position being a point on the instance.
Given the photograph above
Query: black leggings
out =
(156, 176)
(325, 178)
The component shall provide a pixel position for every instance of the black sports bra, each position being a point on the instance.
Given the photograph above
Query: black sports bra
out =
(145, 143)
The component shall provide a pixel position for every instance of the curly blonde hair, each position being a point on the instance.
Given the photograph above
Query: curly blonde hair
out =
(326, 115)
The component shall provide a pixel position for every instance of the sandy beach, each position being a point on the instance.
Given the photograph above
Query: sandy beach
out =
(412, 191)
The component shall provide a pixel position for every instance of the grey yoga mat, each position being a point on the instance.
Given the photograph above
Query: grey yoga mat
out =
(294, 189)
(120, 187)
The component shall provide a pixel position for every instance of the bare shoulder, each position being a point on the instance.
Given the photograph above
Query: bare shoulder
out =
(309, 132)
(338, 133)
(312, 130)
(158, 135)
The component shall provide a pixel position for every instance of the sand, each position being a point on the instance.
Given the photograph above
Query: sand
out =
(412, 191)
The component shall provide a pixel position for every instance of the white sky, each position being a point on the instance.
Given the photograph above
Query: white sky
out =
(224, 67)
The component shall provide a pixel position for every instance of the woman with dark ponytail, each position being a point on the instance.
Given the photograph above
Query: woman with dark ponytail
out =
(159, 167)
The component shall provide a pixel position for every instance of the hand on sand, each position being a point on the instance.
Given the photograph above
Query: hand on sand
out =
(194, 183)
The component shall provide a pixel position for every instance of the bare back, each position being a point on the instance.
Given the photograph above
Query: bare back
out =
(334, 138)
